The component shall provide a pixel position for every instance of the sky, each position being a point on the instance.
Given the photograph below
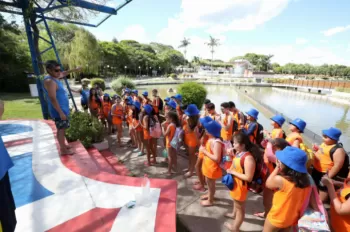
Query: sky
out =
(299, 31)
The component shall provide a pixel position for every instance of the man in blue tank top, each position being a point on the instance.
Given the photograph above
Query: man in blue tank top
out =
(58, 102)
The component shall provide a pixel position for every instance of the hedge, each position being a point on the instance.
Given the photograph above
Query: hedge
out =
(122, 82)
(193, 93)
(99, 81)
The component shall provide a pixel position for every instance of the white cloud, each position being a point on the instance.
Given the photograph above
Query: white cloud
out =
(335, 30)
(301, 41)
(323, 41)
(134, 32)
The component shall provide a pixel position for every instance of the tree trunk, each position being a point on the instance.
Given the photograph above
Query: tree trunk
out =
(36, 33)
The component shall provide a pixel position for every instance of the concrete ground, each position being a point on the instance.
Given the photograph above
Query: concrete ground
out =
(190, 213)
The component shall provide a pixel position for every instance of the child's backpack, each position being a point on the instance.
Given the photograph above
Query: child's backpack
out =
(259, 134)
(155, 130)
(177, 140)
(226, 159)
(344, 171)
(161, 104)
(260, 175)
(310, 155)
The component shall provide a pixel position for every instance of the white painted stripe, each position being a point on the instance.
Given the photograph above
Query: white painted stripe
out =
(21, 149)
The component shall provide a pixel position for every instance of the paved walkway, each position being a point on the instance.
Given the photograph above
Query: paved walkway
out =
(191, 214)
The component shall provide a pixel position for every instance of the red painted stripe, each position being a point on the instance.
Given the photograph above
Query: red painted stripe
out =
(18, 142)
(82, 164)
(97, 219)
(112, 159)
(100, 161)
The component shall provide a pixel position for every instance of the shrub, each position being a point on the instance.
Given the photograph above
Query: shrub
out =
(85, 128)
(173, 75)
(341, 89)
(85, 81)
(122, 82)
(99, 81)
(193, 93)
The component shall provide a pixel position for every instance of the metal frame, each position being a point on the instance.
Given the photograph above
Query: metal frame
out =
(41, 12)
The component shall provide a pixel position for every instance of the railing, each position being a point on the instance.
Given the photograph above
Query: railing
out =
(320, 84)
(316, 138)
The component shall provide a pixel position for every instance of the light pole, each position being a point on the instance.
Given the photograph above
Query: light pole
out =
(140, 70)
(125, 69)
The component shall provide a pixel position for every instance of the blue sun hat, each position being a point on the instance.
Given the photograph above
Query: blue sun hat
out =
(135, 91)
(137, 104)
(253, 113)
(130, 103)
(148, 108)
(299, 123)
(167, 99)
(191, 110)
(145, 93)
(213, 128)
(228, 181)
(333, 133)
(129, 99)
(172, 104)
(127, 90)
(279, 119)
(106, 95)
(293, 158)
(178, 97)
(205, 120)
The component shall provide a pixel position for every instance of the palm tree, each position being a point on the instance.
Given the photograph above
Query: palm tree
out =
(212, 44)
(184, 43)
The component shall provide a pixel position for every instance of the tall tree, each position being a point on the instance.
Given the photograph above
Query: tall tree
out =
(184, 44)
(212, 44)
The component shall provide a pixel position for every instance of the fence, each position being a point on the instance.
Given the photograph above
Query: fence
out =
(316, 83)
(315, 138)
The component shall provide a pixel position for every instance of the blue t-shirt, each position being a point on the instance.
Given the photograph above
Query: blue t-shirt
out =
(85, 96)
(62, 98)
(5, 160)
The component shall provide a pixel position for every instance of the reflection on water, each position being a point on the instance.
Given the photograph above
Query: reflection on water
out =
(319, 113)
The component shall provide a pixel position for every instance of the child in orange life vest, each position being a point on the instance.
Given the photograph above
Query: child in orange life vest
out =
(212, 151)
(170, 105)
(155, 102)
(297, 127)
(340, 204)
(277, 144)
(136, 125)
(212, 113)
(291, 179)
(326, 162)
(190, 123)
(150, 143)
(169, 130)
(145, 99)
(251, 127)
(205, 106)
(117, 118)
(199, 185)
(238, 117)
(94, 103)
(178, 100)
(242, 175)
(226, 122)
(129, 119)
(106, 109)
(135, 96)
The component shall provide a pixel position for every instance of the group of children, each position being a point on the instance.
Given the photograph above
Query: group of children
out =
(235, 143)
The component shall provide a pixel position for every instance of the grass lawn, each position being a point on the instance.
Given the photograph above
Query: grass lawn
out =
(21, 105)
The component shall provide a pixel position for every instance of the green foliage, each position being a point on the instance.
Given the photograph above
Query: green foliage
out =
(193, 93)
(344, 90)
(85, 128)
(98, 81)
(14, 58)
(260, 62)
(122, 82)
(173, 75)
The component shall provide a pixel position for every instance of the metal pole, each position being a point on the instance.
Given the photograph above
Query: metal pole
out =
(39, 84)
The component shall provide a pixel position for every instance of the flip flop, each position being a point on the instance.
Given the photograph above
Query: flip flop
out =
(136, 150)
(206, 203)
(260, 215)
(188, 175)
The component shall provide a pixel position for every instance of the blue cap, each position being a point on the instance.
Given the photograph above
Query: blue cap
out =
(172, 104)
(127, 90)
(299, 123)
(333, 133)
(279, 119)
(145, 93)
(129, 99)
(253, 113)
(106, 95)
(293, 158)
(213, 128)
(178, 97)
(148, 108)
(205, 120)
(228, 181)
(191, 110)
(167, 99)
(137, 104)
(135, 91)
